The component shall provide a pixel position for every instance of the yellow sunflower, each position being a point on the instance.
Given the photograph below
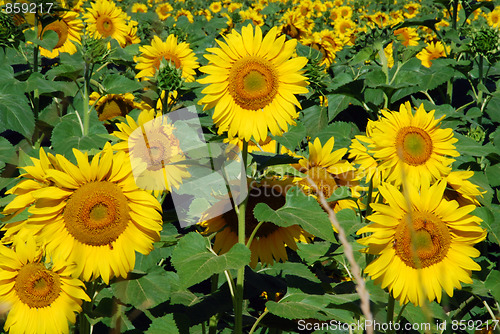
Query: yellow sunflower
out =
(411, 10)
(368, 166)
(412, 146)
(186, 13)
(155, 162)
(493, 18)
(270, 241)
(215, 7)
(164, 10)
(131, 37)
(41, 299)
(422, 239)
(434, 50)
(69, 29)
(295, 25)
(329, 171)
(104, 20)
(252, 84)
(178, 53)
(139, 8)
(114, 105)
(407, 35)
(460, 189)
(94, 215)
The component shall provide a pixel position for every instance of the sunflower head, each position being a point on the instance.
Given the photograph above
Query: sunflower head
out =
(10, 33)
(425, 243)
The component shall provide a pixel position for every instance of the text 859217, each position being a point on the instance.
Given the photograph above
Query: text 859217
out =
(24, 8)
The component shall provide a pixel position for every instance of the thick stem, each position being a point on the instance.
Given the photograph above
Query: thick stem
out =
(85, 326)
(212, 324)
(390, 312)
(238, 311)
(86, 109)
(257, 321)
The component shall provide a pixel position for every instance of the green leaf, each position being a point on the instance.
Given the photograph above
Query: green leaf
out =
(342, 133)
(493, 107)
(7, 151)
(493, 174)
(292, 138)
(67, 135)
(147, 291)
(195, 263)
(304, 306)
(119, 84)
(49, 41)
(313, 252)
(338, 103)
(315, 118)
(375, 78)
(37, 81)
(15, 112)
(292, 269)
(362, 56)
(342, 192)
(493, 284)
(488, 217)
(349, 221)
(468, 146)
(163, 325)
(299, 209)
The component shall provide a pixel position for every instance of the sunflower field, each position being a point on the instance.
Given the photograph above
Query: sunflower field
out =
(270, 166)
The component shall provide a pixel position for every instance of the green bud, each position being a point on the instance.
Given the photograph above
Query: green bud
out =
(95, 50)
(168, 77)
(10, 34)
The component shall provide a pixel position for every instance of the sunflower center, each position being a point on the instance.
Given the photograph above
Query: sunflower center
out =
(324, 181)
(97, 213)
(113, 108)
(105, 26)
(253, 83)
(36, 286)
(413, 145)
(428, 245)
(61, 29)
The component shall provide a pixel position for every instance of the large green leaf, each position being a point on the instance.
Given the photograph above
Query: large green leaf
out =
(342, 133)
(305, 306)
(194, 262)
(146, 291)
(163, 325)
(67, 135)
(119, 84)
(44, 86)
(492, 283)
(15, 112)
(7, 151)
(469, 146)
(299, 209)
(292, 138)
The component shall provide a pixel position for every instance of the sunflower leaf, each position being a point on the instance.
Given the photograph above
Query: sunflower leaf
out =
(147, 291)
(299, 209)
(15, 112)
(194, 261)
(119, 84)
(163, 325)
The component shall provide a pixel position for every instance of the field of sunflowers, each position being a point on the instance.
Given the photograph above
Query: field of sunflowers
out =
(270, 166)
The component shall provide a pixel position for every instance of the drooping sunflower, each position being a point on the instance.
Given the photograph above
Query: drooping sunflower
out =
(412, 146)
(41, 299)
(94, 215)
(425, 243)
(154, 151)
(104, 20)
(178, 53)
(270, 241)
(252, 83)
(434, 50)
(113, 105)
(460, 189)
(131, 37)
(326, 168)
(69, 29)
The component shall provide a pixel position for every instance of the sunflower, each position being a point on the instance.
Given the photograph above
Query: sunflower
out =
(493, 18)
(326, 168)
(69, 29)
(434, 50)
(94, 215)
(139, 8)
(41, 299)
(104, 20)
(345, 27)
(131, 37)
(460, 189)
(252, 84)
(154, 151)
(270, 241)
(407, 35)
(252, 14)
(368, 166)
(113, 105)
(164, 10)
(412, 146)
(186, 13)
(411, 10)
(215, 7)
(178, 53)
(295, 25)
(423, 238)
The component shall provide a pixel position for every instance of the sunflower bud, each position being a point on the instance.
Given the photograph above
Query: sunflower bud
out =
(486, 41)
(94, 50)
(10, 34)
(168, 77)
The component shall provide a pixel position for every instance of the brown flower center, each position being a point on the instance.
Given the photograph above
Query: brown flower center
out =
(253, 83)
(429, 243)
(97, 213)
(413, 145)
(36, 286)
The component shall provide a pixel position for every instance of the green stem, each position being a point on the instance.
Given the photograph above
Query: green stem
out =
(480, 91)
(238, 311)
(390, 312)
(212, 324)
(36, 95)
(257, 321)
(85, 326)
(249, 242)
(86, 109)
